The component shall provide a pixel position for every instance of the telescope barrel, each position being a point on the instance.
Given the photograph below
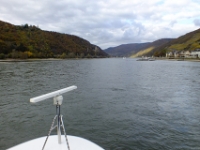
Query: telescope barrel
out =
(52, 94)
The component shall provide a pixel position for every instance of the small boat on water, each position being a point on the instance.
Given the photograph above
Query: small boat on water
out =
(59, 141)
(146, 59)
(151, 59)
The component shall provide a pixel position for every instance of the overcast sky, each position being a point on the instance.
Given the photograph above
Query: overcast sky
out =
(107, 23)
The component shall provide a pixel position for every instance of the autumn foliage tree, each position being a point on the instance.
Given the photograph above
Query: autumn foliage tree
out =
(28, 41)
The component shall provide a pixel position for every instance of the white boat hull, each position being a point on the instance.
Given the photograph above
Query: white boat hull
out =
(75, 143)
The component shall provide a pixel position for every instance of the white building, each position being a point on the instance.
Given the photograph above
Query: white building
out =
(196, 53)
(185, 54)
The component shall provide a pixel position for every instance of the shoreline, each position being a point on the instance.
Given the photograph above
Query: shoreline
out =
(57, 59)
(42, 59)
(177, 59)
(29, 60)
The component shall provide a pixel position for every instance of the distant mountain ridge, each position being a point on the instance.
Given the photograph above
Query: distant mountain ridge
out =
(28, 41)
(189, 41)
(135, 49)
(125, 49)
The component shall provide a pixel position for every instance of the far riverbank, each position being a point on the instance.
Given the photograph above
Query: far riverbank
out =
(57, 59)
(28, 60)
(178, 59)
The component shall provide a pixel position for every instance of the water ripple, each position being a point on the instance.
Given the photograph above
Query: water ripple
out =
(118, 104)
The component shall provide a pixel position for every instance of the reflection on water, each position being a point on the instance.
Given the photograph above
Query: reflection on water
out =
(119, 103)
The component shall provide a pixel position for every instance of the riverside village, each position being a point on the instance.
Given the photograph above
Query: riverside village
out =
(183, 54)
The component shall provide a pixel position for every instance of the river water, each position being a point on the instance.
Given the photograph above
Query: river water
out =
(120, 104)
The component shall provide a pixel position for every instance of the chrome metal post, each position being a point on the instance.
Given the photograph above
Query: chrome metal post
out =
(58, 124)
(57, 100)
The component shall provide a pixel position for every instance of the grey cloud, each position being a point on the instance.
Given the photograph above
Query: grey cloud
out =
(103, 22)
(197, 22)
(172, 23)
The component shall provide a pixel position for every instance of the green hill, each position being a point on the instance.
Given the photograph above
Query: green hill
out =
(135, 49)
(189, 41)
(125, 49)
(28, 41)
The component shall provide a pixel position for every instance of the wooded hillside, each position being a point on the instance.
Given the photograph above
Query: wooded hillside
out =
(189, 41)
(135, 49)
(28, 41)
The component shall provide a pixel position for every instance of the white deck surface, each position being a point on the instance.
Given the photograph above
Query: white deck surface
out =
(75, 143)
